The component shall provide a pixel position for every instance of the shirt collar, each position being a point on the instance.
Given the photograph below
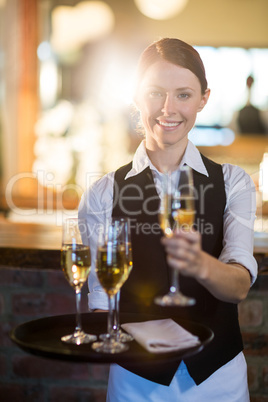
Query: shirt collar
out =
(191, 157)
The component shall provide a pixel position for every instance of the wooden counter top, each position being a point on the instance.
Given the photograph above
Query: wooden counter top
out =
(28, 245)
(30, 235)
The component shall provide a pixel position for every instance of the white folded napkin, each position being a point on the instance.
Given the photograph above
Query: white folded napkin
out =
(161, 336)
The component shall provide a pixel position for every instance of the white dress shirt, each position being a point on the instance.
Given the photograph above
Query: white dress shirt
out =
(96, 207)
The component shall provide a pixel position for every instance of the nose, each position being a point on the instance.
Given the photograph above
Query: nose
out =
(169, 106)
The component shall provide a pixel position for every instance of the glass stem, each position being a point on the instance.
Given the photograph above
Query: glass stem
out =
(110, 317)
(116, 312)
(174, 288)
(78, 327)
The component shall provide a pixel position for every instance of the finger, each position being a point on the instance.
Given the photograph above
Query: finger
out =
(184, 251)
(191, 236)
(176, 240)
(177, 244)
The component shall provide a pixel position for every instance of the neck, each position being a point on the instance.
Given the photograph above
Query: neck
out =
(249, 97)
(166, 159)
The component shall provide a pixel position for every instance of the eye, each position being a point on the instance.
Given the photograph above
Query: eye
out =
(155, 94)
(183, 96)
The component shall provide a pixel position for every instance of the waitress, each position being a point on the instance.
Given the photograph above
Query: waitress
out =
(215, 262)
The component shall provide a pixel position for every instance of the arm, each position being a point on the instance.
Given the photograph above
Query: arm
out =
(227, 282)
(230, 277)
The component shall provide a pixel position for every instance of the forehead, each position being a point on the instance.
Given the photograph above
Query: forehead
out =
(165, 74)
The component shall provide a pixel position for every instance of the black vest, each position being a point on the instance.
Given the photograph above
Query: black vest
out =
(137, 198)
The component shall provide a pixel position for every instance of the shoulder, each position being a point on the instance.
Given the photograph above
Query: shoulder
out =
(102, 189)
(236, 178)
(101, 185)
(99, 195)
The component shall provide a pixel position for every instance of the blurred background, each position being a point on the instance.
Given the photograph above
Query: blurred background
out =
(67, 70)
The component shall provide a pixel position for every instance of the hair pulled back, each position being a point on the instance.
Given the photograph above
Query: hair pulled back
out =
(176, 52)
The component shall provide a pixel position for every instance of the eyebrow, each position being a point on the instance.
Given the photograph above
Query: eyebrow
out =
(184, 89)
(177, 89)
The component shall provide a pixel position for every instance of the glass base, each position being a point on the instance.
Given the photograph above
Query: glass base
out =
(119, 336)
(78, 338)
(174, 299)
(124, 337)
(109, 346)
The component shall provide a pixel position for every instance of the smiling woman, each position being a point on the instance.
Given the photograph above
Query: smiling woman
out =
(171, 91)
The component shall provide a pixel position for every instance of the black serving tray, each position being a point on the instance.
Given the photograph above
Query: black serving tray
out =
(42, 337)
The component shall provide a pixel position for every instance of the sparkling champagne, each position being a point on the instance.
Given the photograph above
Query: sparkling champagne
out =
(75, 263)
(111, 269)
(129, 258)
(165, 217)
(166, 223)
(183, 212)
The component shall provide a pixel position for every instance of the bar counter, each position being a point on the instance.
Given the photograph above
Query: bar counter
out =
(29, 245)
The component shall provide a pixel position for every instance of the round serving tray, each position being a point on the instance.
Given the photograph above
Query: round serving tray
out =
(42, 337)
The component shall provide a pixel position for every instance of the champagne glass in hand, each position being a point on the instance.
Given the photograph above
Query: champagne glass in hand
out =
(111, 268)
(75, 263)
(177, 210)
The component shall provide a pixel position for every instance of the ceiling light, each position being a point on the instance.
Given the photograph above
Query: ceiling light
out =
(160, 9)
(72, 27)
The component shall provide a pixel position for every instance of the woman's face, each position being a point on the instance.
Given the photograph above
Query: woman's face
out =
(169, 98)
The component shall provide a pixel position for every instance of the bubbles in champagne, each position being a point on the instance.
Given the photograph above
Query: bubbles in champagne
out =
(75, 263)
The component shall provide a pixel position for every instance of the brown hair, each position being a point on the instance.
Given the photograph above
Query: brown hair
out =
(176, 52)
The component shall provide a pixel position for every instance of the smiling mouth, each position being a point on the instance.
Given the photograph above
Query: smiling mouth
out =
(167, 124)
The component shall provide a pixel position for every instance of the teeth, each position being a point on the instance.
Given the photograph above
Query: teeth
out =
(165, 124)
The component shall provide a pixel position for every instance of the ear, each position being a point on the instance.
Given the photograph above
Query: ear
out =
(204, 100)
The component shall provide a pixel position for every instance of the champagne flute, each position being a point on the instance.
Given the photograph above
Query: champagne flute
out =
(121, 335)
(177, 211)
(125, 238)
(111, 268)
(75, 263)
